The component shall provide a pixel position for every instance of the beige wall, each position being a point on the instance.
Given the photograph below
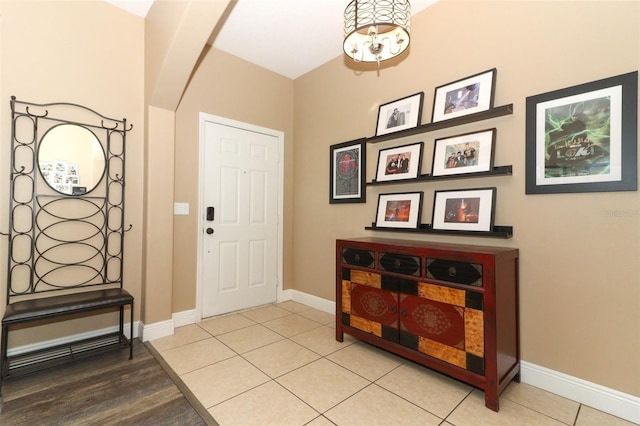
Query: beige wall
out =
(175, 34)
(580, 296)
(229, 87)
(580, 277)
(89, 53)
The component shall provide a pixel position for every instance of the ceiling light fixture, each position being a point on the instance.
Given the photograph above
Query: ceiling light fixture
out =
(376, 30)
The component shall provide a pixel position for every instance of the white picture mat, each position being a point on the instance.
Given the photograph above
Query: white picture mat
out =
(411, 108)
(412, 172)
(414, 198)
(615, 137)
(484, 161)
(484, 210)
(485, 81)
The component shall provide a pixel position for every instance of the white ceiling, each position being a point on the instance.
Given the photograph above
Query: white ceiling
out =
(289, 37)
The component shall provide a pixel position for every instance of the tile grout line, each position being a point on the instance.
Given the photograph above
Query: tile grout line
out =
(320, 325)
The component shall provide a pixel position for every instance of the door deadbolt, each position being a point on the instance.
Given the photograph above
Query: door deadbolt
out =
(209, 231)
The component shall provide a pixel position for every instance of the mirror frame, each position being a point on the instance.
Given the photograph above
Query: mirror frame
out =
(77, 190)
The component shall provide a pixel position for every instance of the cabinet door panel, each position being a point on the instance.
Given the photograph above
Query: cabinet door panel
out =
(452, 333)
(374, 305)
(434, 320)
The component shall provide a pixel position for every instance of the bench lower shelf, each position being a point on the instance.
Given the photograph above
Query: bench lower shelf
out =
(29, 362)
(59, 308)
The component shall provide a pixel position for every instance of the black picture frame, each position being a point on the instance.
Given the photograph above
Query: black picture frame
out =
(409, 109)
(464, 210)
(400, 162)
(465, 96)
(347, 172)
(464, 154)
(399, 210)
(583, 138)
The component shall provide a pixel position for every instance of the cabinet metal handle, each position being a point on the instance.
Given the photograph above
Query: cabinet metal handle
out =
(403, 313)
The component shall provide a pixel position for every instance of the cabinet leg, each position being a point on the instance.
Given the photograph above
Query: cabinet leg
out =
(339, 334)
(491, 400)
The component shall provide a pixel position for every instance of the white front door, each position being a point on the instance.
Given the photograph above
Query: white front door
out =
(239, 216)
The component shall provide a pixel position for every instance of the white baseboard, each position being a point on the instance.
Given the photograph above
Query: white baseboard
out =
(45, 344)
(167, 328)
(184, 318)
(284, 295)
(596, 396)
(313, 301)
(156, 330)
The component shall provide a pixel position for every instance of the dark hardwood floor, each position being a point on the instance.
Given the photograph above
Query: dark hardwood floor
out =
(105, 389)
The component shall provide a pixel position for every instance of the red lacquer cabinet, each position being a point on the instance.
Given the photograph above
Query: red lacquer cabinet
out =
(449, 307)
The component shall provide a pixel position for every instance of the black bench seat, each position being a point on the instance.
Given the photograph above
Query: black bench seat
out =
(31, 310)
(35, 309)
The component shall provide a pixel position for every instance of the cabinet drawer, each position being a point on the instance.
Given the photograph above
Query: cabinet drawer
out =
(358, 257)
(454, 271)
(400, 264)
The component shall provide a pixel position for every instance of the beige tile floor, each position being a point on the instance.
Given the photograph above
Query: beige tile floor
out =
(281, 365)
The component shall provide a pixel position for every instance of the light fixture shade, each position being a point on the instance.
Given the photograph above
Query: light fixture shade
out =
(376, 30)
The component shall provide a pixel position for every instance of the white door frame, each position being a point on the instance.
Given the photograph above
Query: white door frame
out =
(204, 117)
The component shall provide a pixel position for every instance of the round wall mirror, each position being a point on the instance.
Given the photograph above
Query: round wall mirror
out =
(71, 159)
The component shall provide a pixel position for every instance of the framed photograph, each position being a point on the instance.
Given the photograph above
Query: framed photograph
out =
(464, 209)
(466, 153)
(60, 166)
(583, 138)
(405, 113)
(399, 210)
(47, 170)
(72, 180)
(399, 163)
(57, 178)
(348, 167)
(72, 169)
(463, 97)
(78, 190)
(62, 187)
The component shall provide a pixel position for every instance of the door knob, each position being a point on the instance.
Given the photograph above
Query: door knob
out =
(209, 231)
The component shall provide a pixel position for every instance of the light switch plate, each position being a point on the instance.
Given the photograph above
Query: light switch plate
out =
(181, 209)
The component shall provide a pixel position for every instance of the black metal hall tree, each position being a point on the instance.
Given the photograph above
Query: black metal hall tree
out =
(66, 224)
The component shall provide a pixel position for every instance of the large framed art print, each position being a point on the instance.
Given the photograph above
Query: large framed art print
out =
(583, 138)
(347, 169)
